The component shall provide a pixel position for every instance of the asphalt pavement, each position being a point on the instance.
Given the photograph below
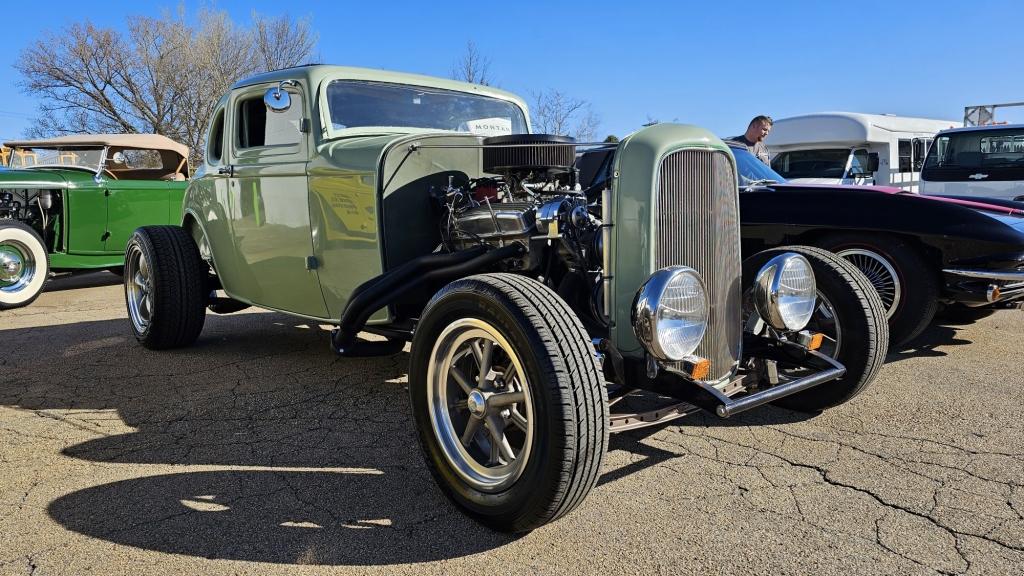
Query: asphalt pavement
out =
(257, 451)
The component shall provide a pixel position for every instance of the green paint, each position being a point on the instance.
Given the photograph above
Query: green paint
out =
(97, 218)
(634, 189)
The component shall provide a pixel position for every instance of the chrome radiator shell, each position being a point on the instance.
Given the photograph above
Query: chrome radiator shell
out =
(697, 224)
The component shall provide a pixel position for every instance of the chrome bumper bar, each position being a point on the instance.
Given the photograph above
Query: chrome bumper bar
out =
(1005, 276)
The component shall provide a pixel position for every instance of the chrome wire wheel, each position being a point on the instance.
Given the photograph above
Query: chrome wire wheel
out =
(880, 272)
(479, 404)
(17, 266)
(138, 285)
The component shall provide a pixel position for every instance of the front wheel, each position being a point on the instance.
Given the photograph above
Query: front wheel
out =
(24, 264)
(509, 401)
(851, 317)
(164, 287)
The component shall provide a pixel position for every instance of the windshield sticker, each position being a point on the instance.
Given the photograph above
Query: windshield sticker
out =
(490, 126)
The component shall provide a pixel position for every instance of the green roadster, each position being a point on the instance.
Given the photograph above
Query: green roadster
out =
(71, 203)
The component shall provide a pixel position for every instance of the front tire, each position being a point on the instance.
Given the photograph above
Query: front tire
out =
(24, 264)
(164, 287)
(509, 401)
(851, 316)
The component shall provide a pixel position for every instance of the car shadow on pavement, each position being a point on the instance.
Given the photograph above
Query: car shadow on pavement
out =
(646, 456)
(303, 457)
(937, 335)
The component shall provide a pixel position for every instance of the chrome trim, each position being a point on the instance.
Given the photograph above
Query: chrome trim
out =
(645, 310)
(696, 224)
(17, 266)
(766, 290)
(480, 406)
(139, 288)
(606, 253)
(880, 273)
(986, 274)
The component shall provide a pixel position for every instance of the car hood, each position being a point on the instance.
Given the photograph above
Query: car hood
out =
(1015, 215)
(39, 178)
(815, 181)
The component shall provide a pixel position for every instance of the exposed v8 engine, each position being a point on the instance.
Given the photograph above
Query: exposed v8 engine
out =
(37, 208)
(535, 199)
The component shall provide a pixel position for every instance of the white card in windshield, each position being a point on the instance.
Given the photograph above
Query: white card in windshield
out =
(490, 126)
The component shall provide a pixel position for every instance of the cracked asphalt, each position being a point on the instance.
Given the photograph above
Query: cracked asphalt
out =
(259, 452)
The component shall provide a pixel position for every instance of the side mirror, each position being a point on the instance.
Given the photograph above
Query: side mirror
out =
(873, 162)
(118, 158)
(277, 99)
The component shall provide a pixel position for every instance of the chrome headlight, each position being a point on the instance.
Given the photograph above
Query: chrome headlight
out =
(670, 313)
(784, 292)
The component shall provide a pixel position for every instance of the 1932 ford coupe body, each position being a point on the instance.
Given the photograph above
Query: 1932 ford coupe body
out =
(542, 314)
(70, 203)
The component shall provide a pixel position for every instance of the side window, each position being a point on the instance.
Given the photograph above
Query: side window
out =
(906, 156)
(920, 149)
(215, 139)
(257, 126)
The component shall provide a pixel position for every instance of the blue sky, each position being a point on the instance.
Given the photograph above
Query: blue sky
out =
(715, 64)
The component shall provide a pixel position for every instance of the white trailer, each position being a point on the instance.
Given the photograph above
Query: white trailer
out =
(853, 148)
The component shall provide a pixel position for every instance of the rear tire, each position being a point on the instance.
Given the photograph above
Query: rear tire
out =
(165, 287)
(918, 284)
(559, 420)
(862, 336)
(24, 264)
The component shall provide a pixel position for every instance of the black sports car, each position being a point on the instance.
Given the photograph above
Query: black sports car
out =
(920, 252)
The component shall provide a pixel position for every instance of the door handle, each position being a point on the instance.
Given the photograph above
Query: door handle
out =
(229, 170)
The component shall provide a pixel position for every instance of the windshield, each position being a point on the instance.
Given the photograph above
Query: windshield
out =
(751, 170)
(72, 156)
(822, 163)
(355, 104)
(980, 149)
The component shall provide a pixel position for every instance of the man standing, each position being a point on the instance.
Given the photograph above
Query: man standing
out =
(753, 138)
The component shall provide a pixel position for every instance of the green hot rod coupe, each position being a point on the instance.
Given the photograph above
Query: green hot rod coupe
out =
(70, 203)
(542, 315)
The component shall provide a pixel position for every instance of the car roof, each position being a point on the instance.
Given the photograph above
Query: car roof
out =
(848, 127)
(988, 128)
(140, 141)
(315, 73)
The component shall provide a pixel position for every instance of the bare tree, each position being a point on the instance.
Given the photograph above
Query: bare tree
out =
(472, 66)
(557, 113)
(163, 75)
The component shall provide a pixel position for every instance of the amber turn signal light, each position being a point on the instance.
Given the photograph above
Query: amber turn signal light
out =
(816, 339)
(697, 368)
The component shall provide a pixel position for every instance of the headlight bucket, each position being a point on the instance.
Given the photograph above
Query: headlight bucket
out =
(785, 292)
(670, 313)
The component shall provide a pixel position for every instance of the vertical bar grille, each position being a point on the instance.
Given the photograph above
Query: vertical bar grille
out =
(697, 220)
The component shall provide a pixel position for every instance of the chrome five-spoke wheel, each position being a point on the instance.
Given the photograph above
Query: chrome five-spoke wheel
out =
(479, 404)
(139, 288)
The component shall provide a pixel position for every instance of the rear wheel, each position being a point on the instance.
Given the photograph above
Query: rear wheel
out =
(908, 288)
(851, 317)
(164, 287)
(24, 264)
(509, 401)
